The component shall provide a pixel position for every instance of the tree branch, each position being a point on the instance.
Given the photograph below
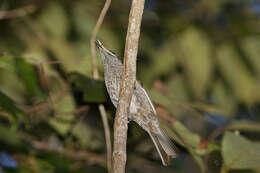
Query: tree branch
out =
(19, 12)
(71, 153)
(96, 76)
(127, 84)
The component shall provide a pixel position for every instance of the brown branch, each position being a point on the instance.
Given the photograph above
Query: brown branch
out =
(94, 35)
(96, 76)
(19, 12)
(127, 84)
(71, 153)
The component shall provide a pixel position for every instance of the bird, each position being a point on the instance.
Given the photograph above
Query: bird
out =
(141, 109)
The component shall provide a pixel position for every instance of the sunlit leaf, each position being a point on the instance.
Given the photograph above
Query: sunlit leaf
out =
(239, 152)
(66, 55)
(61, 123)
(64, 116)
(236, 73)
(187, 136)
(54, 20)
(163, 61)
(196, 60)
(251, 46)
(224, 101)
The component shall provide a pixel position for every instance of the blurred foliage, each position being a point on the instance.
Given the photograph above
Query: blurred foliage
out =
(199, 61)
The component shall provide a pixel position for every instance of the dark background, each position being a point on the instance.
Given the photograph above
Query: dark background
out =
(199, 61)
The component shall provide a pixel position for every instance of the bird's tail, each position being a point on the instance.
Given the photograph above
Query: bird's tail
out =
(164, 146)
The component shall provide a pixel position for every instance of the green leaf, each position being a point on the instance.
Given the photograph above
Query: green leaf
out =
(8, 105)
(196, 60)
(6, 62)
(11, 84)
(240, 153)
(28, 75)
(236, 73)
(13, 140)
(177, 89)
(251, 46)
(163, 62)
(65, 53)
(63, 114)
(54, 20)
(93, 90)
(225, 103)
(66, 105)
(170, 102)
(86, 136)
(188, 137)
(61, 123)
(160, 98)
(198, 159)
(83, 21)
(9, 136)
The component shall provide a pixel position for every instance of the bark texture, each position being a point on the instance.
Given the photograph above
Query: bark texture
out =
(127, 84)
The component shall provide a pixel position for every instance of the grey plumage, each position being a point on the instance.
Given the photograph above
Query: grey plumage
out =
(142, 110)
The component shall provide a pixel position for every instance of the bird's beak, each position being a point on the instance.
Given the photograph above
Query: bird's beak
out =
(100, 45)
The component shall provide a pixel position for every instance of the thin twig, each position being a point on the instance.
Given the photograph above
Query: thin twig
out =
(19, 12)
(96, 76)
(71, 153)
(127, 84)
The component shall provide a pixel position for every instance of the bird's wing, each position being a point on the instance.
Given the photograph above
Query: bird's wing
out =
(149, 100)
(145, 96)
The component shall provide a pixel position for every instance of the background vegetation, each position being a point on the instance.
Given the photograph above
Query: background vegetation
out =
(198, 59)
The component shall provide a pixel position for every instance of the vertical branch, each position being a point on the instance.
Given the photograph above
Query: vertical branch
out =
(94, 35)
(127, 84)
(96, 76)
